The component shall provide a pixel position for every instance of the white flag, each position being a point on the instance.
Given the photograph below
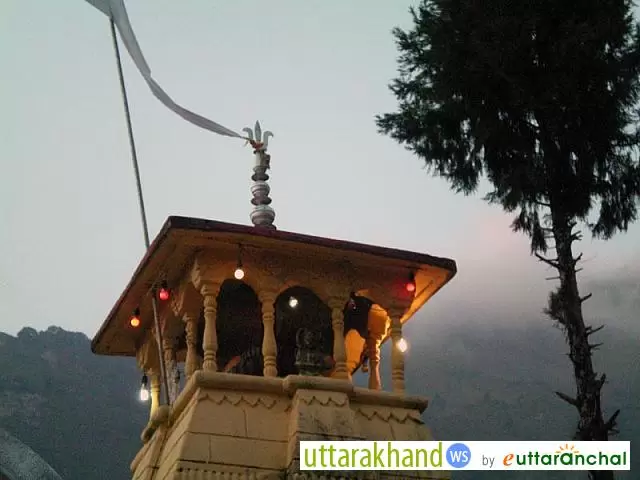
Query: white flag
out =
(116, 10)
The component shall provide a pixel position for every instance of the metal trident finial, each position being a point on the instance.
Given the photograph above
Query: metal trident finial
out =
(262, 214)
(257, 139)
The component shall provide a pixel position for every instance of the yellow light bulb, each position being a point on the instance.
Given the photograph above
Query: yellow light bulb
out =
(239, 273)
(402, 345)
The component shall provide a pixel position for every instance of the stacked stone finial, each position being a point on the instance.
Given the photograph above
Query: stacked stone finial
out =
(262, 214)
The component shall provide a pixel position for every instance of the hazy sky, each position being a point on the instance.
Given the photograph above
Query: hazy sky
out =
(314, 72)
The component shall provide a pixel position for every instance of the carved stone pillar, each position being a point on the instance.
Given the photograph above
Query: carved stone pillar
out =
(373, 350)
(269, 347)
(209, 292)
(154, 380)
(192, 362)
(397, 356)
(169, 351)
(336, 305)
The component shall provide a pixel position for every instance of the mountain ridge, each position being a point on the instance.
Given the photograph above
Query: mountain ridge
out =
(484, 382)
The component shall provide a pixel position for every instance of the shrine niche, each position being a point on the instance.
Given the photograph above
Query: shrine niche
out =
(297, 309)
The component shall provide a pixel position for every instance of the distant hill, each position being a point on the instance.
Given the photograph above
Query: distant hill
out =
(80, 412)
(496, 383)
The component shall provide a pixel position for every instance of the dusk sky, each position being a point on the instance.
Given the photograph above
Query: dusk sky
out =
(314, 73)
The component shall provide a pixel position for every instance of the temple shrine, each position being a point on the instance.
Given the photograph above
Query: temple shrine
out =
(248, 338)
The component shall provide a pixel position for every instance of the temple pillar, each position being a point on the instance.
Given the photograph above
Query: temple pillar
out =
(336, 304)
(169, 352)
(154, 390)
(192, 362)
(269, 347)
(209, 291)
(373, 351)
(397, 355)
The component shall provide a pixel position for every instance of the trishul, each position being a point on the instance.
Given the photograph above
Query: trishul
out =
(262, 215)
(256, 138)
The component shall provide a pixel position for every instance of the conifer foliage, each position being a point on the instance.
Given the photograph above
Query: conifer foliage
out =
(540, 98)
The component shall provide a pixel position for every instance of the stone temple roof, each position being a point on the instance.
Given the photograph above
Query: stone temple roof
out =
(19, 462)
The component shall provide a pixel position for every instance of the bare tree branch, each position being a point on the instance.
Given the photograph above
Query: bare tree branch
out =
(568, 399)
(586, 297)
(577, 259)
(591, 330)
(551, 262)
(600, 382)
(611, 423)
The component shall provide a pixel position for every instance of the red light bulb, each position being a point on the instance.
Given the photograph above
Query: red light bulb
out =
(163, 294)
(410, 286)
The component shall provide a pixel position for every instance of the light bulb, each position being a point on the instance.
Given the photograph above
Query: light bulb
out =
(144, 390)
(411, 284)
(135, 318)
(163, 294)
(239, 272)
(293, 302)
(144, 394)
(402, 345)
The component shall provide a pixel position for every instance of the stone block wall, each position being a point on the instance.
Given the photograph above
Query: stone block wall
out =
(235, 427)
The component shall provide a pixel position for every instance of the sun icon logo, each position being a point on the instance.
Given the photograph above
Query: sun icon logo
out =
(566, 448)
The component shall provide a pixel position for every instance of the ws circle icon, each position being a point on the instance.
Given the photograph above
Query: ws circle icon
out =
(458, 455)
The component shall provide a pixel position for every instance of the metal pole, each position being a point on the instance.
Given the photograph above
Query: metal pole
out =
(132, 145)
(143, 214)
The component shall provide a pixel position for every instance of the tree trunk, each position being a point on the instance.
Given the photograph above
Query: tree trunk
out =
(568, 311)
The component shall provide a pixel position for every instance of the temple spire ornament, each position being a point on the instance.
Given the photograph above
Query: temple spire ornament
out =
(262, 214)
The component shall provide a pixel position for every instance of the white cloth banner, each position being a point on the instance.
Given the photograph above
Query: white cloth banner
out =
(116, 10)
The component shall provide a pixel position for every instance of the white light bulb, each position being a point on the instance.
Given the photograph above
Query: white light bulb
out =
(402, 345)
(144, 394)
(239, 273)
(293, 302)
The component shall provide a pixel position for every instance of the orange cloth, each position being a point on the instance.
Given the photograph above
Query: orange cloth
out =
(231, 363)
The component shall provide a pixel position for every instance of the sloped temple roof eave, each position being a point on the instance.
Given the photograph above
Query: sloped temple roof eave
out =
(175, 224)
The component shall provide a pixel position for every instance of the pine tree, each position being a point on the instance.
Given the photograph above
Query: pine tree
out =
(540, 98)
